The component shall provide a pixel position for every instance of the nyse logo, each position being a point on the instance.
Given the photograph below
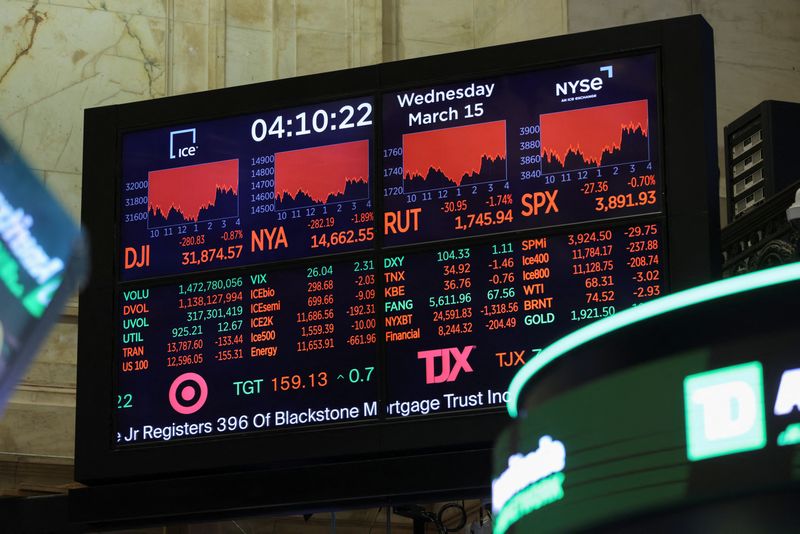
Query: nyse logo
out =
(584, 85)
(725, 411)
(448, 372)
(179, 146)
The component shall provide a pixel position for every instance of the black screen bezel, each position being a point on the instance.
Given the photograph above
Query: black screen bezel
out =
(688, 156)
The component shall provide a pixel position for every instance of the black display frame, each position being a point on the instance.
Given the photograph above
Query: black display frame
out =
(688, 155)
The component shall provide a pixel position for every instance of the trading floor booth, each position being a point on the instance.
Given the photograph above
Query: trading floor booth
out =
(679, 415)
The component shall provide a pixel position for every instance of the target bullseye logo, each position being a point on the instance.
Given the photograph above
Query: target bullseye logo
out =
(188, 393)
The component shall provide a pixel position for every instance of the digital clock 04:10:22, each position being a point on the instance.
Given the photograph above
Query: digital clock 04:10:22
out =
(320, 121)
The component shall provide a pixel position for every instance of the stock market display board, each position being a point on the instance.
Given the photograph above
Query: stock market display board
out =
(344, 261)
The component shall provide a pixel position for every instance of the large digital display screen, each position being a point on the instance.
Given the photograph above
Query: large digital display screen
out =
(531, 150)
(291, 183)
(261, 288)
(342, 272)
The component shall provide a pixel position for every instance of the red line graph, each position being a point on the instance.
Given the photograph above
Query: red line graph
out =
(190, 190)
(591, 132)
(454, 152)
(321, 173)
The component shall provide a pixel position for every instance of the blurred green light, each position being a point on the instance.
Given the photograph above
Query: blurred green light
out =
(690, 297)
(546, 491)
(790, 436)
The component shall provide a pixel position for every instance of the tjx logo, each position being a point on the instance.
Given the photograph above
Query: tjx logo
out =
(186, 150)
(448, 373)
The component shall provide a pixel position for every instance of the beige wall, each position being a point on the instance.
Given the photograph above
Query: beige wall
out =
(59, 57)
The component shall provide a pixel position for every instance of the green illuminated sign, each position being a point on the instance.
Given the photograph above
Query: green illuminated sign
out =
(790, 436)
(36, 301)
(690, 297)
(650, 436)
(542, 493)
(725, 411)
(524, 470)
